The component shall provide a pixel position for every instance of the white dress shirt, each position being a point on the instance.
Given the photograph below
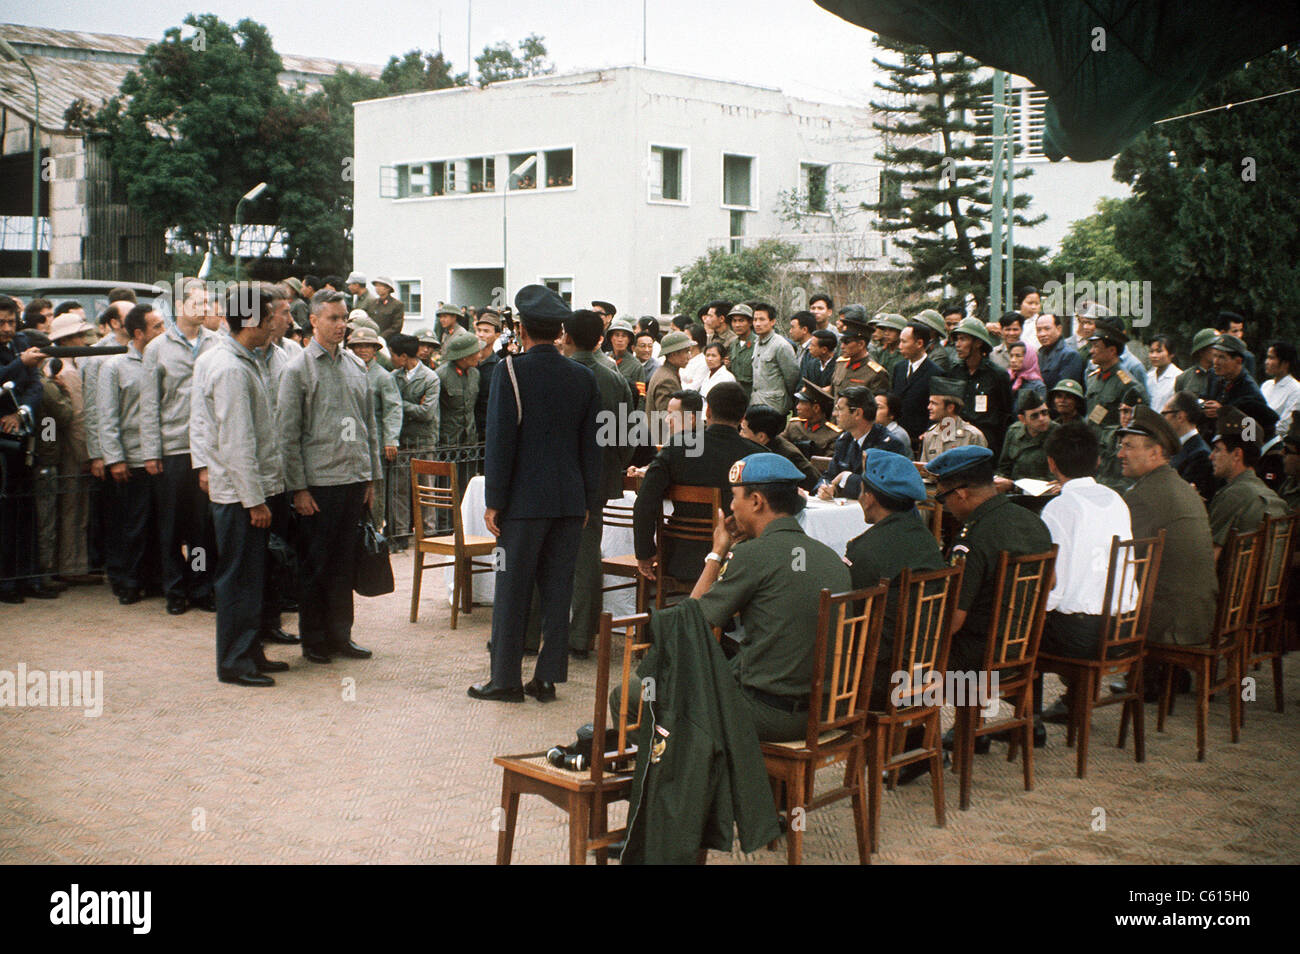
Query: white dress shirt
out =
(1082, 521)
(1161, 387)
(694, 373)
(1283, 397)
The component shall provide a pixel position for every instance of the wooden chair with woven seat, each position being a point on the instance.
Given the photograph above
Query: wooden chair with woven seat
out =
(618, 514)
(1266, 632)
(1237, 563)
(1133, 569)
(932, 516)
(683, 525)
(1015, 628)
(461, 548)
(921, 638)
(587, 794)
(844, 658)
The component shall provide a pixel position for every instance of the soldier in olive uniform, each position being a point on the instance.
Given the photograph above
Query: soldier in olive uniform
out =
(1244, 500)
(1110, 472)
(741, 361)
(948, 431)
(890, 327)
(1108, 382)
(943, 355)
(385, 310)
(855, 367)
(1022, 451)
(429, 349)
(364, 343)
(1068, 401)
(621, 336)
(459, 376)
(987, 387)
(1200, 375)
(810, 430)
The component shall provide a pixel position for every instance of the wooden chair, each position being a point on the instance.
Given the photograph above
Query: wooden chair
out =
(819, 462)
(1237, 563)
(618, 514)
(932, 516)
(681, 527)
(922, 636)
(1019, 607)
(585, 795)
(844, 659)
(1133, 569)
(457, 545)
(1266, 632)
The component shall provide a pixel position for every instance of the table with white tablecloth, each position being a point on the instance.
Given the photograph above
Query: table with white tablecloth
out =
(834, 523)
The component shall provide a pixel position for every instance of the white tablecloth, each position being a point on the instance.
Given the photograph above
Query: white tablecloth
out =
(834, 523)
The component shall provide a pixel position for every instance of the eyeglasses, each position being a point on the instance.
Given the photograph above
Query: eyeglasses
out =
(941, 498)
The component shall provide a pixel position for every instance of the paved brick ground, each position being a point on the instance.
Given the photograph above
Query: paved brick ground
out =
(182, 768)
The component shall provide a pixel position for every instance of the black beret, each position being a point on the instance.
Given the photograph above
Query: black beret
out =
(540, 304)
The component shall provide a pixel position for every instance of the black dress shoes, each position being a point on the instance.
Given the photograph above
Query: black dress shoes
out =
(206, 603)
(1040, 735)
(272, 665)
(280, 636)
(579, 653)
(352, 651)
(490, 693)
(176, 605)
(130, 595)
(11, 596)
(248, 679)
(39, 591)
(541, 691)
(316, 655)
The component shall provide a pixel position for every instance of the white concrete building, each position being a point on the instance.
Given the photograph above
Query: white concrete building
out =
(623, 175)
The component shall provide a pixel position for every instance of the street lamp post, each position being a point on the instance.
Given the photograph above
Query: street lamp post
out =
(248, 196)
(9, 53)
(514, 174)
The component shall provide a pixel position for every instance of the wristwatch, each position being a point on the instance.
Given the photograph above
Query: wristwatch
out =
(712, 558)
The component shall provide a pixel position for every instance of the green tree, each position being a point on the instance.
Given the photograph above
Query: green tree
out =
(499, 62)
(416, 71)
(1214, 220)
(1088, 250)
(935, 188)
(760, 272)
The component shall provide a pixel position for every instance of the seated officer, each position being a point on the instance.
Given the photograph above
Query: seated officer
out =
(762, 425)
(809, 430)
(1244, 500)
(763, 567)
(1023, 453)
(855, 410)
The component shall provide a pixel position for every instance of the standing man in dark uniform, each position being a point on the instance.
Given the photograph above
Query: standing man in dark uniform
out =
(488, 328)
(1234, 387)
(543, 470)
(855, 367)
(912, 374)
(18, 368)
(1108, 382)
(988, 388)
(1200, 375)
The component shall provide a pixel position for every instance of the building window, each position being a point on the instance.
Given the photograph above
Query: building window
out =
(814, 187)
(668, 285)
(737, 181)
(666, 166)
(481, 174)
(562, 287)
(891, 196)
(523, 171)
(737, 231)
(1025, 117)
(559, 168)
(409, 294)
(414, 180)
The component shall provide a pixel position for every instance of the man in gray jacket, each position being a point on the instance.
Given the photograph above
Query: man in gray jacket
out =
(419, 391)
(112, 334)
(331, 457)
(167, 369)
(118, 418)
(233, 436)
(775, 367)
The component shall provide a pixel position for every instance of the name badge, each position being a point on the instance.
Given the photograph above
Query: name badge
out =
(1098, 414)
(981, 403)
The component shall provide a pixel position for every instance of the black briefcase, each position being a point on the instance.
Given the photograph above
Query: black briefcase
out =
(373, 576)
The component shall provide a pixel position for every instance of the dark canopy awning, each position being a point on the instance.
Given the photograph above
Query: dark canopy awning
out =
(1157, 53)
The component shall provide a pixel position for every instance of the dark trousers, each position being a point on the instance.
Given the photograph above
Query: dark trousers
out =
(326, 544)
(17, 523)
(183, 520)
(272, 598)
(539, 552)
(1067, 634)
(241, 566)
(588, 600)
(131, 537)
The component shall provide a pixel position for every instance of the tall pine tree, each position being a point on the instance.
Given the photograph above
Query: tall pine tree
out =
(936, 186)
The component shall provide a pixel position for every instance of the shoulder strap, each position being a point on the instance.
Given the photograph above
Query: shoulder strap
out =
(514, 382)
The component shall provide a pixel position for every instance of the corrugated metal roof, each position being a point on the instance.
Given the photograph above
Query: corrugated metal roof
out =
(64, 78)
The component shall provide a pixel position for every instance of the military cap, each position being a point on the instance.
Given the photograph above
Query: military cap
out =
(461, 346)
(1132, 398)
(294, 284)
(355, 278)
(891, 320)
(1069, 386)
(1235, 426)
(430, 337)
(887, 474)
(1025, 400)
(1204, 338)
(931, 319)
(448, 309)
(489, 317)
(949, 388)
(855, 314)
(675, 341)
(1151, 423)
(742, 310)
(362, 320)
(609, 309)
(1109, 330)
(36, 339)
(381, 280)
(763, 469)
(957, 461)
(1230, 344)
(620, 324)
(541, 305)
(363, 335)
(813, 394)
(976, 329)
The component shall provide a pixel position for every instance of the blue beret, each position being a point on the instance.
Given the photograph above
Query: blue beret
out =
(951, 463)
(541, 304)
(887, 474)
(763, 469)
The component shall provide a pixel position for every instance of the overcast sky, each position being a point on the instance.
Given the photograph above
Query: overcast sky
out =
(792, 44)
